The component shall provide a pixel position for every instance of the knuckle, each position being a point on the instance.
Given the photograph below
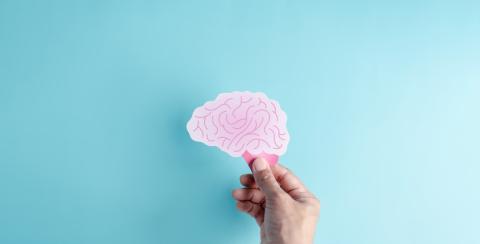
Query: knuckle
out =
(250, 208)
(265, 176)
(250, 195)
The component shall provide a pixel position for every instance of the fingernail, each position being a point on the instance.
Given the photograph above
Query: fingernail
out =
(260, 164)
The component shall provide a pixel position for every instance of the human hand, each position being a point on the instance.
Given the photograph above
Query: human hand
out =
(284, 209)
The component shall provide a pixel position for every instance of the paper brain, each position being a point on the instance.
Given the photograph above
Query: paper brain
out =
(241, 122)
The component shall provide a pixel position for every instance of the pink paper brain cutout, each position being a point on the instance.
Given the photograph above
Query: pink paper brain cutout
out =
(241, 122)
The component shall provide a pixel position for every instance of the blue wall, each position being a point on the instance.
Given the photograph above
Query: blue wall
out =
(383, 104)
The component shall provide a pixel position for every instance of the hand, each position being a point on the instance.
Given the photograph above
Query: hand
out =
(284, 209)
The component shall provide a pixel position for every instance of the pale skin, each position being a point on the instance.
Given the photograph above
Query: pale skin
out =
(282, 206)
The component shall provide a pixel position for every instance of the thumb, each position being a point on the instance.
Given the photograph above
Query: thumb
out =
(265, 179)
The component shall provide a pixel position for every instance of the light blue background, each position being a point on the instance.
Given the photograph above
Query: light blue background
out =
(383, 104)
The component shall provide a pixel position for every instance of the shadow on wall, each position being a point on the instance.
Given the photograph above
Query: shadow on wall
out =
(199, 207)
